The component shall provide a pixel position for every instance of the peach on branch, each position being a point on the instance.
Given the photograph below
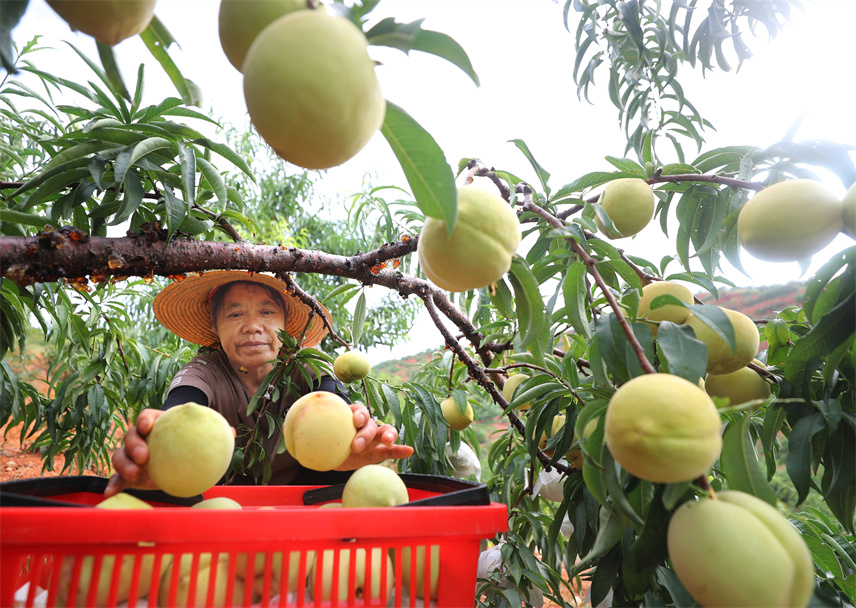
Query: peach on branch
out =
(663, 428)
(789, 221)
(629, 203)
(669, 312)
(240, 21)
(455, 419)
(351, 366)
(720, 358)
(511, 385)
(740, 386)
(109, 21)
(478, 252)
(737, 550)
(311, 89)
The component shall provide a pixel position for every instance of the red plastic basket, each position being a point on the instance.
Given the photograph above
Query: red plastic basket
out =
(68, 555)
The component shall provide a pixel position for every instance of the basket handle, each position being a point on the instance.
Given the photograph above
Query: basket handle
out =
(452, 492)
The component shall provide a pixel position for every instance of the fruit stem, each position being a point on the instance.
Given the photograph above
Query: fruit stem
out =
(702, 481)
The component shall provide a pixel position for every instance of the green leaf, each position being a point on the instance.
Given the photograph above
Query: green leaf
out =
(680, 352)
(359, 320)
(678, 169)
(78, 151)
(833, 329)
(215, 181)
(111, 69)
(648, 149)
(798, 373)
(158, 39)
(739, 462)
(26, 219)
(576, 298)
(839, 471)
(627, 166)
(543, 175)
(187, 160)
(608, 535)
(799, 458)
(823, 555)
(176, 210)
(776, 333)
(774, 417)
(128, 157)
(502, 299)
(388, 32)
(54, 185)
(445, 47)
(589, 180)
(716, 319)
(531, 316)
(227, 153)
(429, 175)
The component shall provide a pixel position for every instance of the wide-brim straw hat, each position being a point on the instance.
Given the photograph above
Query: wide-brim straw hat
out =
(183, 307)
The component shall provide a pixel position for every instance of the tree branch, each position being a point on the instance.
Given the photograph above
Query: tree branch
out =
(312, 303)
(707, 179)
(591, 267)
(70, 254)
(477, 373)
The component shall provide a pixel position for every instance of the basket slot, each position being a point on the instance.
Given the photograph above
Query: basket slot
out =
(352, 574)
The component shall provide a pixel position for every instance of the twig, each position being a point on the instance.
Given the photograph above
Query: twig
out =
(476, 169)
(312, 303)
(591, 267)
(225, 225)
(478, 375)
(708, 179)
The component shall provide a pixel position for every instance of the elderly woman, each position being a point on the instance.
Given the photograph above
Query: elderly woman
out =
(237, 315)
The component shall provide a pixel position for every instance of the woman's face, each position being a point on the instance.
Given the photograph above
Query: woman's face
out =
(247, 323)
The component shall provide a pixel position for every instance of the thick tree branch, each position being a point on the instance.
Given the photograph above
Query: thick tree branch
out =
(70, 254)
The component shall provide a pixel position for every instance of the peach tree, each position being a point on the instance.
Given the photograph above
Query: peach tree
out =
(567, 313)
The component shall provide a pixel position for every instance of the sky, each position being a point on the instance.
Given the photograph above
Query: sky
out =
(524, 58)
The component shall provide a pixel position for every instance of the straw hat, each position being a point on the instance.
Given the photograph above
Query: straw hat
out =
(182, 307)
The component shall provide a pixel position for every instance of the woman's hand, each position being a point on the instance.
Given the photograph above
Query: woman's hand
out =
(373, 444)
(129, 460)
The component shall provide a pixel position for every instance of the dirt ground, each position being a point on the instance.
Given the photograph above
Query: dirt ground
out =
(17, 461)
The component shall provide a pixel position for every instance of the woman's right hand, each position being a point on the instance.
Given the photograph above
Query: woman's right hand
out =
(129, 461)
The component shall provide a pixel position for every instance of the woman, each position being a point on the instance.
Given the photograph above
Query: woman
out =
(238, 315)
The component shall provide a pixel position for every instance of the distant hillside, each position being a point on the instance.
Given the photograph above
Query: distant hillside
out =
(755, 302)
(759, 302)
(401, 370)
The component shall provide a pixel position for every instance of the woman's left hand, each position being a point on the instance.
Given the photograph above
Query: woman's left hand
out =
(373, 444)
